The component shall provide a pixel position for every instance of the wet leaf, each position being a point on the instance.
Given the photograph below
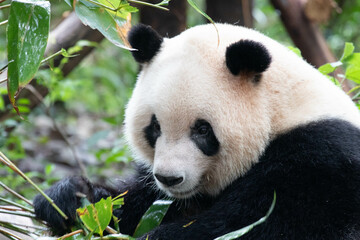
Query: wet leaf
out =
(27, 34)
(96, 217)
(152, 218)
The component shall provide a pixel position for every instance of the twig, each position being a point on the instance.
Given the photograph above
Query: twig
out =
(17, 229)
(15, 193)
(7, 162)
(58, 129)
(9, 234)
(148, 4)
(25, 226)
(71, 234)
(23, 214)
(3, 22)
(16, 205)
(110, 230)
(5, 6)
(51, 56)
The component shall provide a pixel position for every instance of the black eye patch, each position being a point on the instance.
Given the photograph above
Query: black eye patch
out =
(152, 131)
(204, 137)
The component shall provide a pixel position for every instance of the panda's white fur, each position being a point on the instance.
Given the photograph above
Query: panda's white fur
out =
(188, 80)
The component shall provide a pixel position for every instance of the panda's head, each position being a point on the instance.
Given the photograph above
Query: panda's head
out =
(201, 112)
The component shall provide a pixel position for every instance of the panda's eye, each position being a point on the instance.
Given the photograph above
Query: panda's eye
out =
(156, 125)
(203, 129)
(152, 131)
(204, 137)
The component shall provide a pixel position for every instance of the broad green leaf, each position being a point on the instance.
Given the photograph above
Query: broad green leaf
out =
(152, 218)
(96, 217)
(113, 28)
(353, 73)
(238, 233)
(354, 59)
(193, 5)
(348, 50)
(295, 50)
(27, 34)
(329, 67)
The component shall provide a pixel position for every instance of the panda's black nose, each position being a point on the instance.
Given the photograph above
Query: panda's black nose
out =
(169, 181)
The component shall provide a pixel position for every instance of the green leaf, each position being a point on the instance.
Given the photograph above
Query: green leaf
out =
(27, 34)
(238, 233)
(329, 67)
(113, 28)
(348, 50)
(96, 217)
(295, 50)
(354, 59)
(152, 218)
(353, 73)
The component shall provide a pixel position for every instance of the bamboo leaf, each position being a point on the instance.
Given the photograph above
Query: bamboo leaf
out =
(27, 35)
(96, 217)
(152, 218)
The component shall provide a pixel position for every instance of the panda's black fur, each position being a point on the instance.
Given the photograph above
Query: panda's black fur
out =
(313, 168)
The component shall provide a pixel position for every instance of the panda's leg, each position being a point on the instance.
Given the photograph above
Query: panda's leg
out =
(67, 195)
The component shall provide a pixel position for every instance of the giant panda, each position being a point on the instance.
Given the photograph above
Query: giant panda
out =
(218, 125)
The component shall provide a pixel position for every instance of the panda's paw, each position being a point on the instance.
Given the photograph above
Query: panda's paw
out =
(67, 195)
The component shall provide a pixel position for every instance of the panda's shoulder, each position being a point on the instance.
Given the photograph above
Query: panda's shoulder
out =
(317, 141)
(318, 156)
(314, 158)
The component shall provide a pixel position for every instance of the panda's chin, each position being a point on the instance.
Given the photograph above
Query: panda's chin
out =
(183, 194)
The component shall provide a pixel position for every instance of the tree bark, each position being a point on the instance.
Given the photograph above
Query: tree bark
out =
(238, 12)
(166, 23)
(65, 35)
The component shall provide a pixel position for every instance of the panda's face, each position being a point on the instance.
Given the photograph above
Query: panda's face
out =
(192, 121)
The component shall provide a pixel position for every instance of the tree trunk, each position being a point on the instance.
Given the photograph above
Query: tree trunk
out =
(237, 12)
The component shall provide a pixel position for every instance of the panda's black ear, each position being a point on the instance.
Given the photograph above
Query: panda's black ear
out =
(247, 56)
(146, 41)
